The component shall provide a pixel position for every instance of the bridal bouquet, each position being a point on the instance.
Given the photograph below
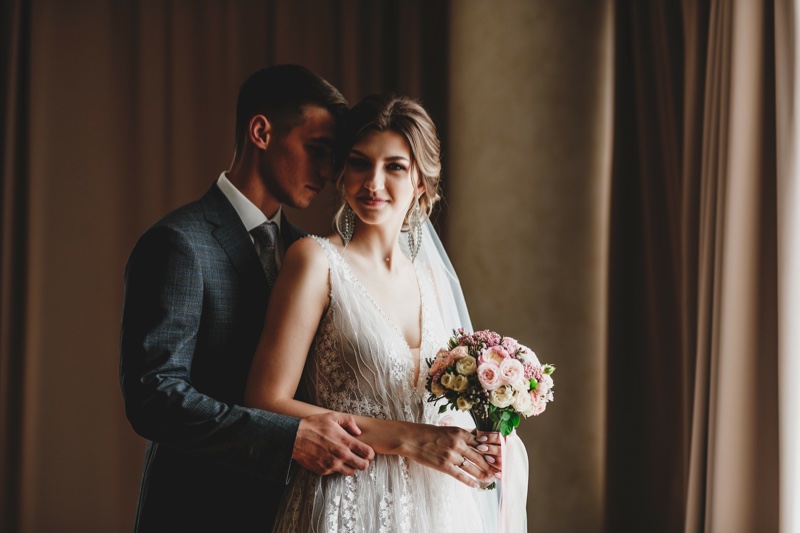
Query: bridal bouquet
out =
(493, 377)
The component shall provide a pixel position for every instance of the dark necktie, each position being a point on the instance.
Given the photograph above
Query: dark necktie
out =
(266, 238)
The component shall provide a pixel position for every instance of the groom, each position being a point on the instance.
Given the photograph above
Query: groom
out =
(196, 291)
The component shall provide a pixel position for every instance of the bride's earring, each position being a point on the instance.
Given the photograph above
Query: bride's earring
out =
(415, 230)
(348, 223)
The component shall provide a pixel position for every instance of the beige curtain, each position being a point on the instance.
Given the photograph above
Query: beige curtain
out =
(113, 114)
(693, 306)
(787, 63)
(627, 170)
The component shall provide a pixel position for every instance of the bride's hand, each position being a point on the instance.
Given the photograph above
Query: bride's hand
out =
(454, 451)
(491, 448)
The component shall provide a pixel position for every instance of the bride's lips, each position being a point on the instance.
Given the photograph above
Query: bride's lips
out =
(370, 201)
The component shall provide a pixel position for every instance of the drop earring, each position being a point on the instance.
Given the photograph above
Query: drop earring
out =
(348, 223)
(415, 230)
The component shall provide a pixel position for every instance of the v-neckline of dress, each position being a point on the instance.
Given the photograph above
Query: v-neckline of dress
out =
(363, 289)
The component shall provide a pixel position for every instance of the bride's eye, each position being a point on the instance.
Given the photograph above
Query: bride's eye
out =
(397, 167)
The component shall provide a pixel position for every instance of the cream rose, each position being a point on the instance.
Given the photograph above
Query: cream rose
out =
(502, 396)
(489, 375)
(511, 371)
(448, 380)
(437, 389)
(467, 365)
(463, 404)
(460, 383)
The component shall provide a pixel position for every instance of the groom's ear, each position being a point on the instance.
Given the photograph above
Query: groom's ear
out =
(260, 131)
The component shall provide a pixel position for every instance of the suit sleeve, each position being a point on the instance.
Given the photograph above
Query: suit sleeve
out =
(161, 318)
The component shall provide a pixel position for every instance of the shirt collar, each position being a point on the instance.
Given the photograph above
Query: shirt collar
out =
(250, 214)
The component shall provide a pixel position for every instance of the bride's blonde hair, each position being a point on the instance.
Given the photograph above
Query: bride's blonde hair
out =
(403, 115)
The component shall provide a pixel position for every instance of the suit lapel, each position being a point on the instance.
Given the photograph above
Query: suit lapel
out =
(234, 239)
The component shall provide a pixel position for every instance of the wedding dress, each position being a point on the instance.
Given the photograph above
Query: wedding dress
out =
(361, 364)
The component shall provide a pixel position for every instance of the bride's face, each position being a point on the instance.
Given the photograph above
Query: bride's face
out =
(379, 179)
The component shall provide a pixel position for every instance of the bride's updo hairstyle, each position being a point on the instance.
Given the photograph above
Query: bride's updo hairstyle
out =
(403, 115)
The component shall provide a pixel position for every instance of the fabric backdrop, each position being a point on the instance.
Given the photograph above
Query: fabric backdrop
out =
(621, 194)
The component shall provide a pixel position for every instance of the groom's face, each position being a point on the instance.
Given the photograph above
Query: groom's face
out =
(296, 166)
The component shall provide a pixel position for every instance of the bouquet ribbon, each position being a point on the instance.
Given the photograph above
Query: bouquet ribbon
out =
(513, 485)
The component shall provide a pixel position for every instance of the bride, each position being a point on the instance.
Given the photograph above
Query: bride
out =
(352, 320)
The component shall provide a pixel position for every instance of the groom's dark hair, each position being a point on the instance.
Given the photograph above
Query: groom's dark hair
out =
(280, 93)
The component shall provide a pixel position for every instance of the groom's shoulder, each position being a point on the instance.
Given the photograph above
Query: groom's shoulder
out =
(191, 217)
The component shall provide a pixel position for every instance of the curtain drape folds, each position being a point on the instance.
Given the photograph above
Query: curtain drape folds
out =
(14, 67)
(693, 299)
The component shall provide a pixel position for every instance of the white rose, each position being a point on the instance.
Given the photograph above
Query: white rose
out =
(460, 383)
(467, 365)
(522, 401)
(502, 396)
(522, 385)
(463, 404)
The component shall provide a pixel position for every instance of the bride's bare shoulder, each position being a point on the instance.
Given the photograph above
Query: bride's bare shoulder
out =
(306, 254)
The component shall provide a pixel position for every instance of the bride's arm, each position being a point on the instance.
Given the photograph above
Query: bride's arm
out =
(297, 303)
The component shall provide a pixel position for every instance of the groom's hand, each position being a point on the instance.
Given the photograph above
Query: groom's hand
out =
(325, 444)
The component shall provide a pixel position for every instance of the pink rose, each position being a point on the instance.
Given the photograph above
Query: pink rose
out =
(489, 375)
(511, 345)
(495, 354)
(441, 362)
(539, 404)
(511, 371)
(459, 352)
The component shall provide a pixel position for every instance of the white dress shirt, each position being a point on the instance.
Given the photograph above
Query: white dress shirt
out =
(248, 212)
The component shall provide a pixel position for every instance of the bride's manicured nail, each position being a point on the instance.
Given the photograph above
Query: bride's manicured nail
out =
(498, 475)
(489, 459)
(483, 438)
(483, 448)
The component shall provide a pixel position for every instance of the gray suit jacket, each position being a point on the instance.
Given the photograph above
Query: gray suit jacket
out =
(195, 299)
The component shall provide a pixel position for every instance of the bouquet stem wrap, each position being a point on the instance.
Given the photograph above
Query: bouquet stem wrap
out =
(513, 486)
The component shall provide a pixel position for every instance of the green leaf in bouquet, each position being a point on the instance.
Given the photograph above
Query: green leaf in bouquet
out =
(515, 419)
(548, 369)
(442, 408)
(506, 428)
(534, 383)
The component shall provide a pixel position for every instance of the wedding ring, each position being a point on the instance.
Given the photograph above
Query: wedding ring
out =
(463, 463)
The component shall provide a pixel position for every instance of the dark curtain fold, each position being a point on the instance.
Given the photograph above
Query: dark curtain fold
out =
(14, 69)
(648, 379)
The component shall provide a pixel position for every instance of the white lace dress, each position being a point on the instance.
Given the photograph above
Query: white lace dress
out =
(361, 364)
